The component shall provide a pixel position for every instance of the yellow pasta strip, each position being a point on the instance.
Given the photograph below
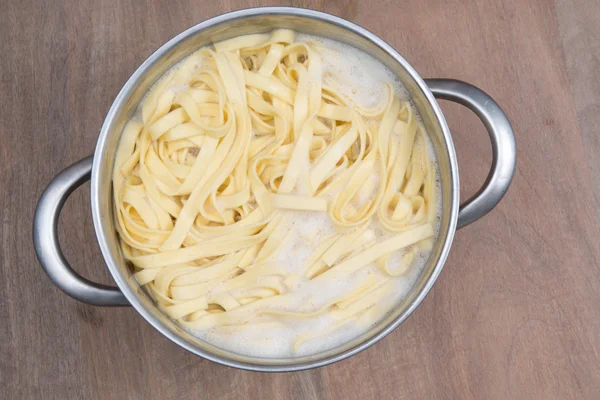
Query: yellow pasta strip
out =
(272, 60)
(191, 253)
(203, 96)
(138, 202)
(158, 169)
(303, 203)
(236, 43)
(363, 302)
(171, 120)
(341, 246)
(379, 250)
(197, 172)
(185, 308)
(335, 112)
(331, 157)
(270, 85)
(183, 131)
(299, 161)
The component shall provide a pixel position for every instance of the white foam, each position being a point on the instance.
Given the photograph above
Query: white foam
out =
(354, 73)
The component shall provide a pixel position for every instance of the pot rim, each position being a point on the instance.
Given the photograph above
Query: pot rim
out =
(96, 192)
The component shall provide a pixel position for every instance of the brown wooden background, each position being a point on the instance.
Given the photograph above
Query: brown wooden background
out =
(516, 311)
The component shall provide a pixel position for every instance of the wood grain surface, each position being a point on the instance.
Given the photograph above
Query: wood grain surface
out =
(515, 313)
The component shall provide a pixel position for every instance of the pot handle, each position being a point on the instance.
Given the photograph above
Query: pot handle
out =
(47, 247)
(504, 150)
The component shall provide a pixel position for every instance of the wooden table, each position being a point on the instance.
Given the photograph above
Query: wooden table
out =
(515, 313)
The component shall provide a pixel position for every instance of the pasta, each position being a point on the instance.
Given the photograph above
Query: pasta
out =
(230, 149)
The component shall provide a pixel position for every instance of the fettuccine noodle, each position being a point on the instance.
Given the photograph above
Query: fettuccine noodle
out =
(228, 148)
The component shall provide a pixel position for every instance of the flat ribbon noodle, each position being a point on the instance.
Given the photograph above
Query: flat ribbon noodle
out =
(228, 143)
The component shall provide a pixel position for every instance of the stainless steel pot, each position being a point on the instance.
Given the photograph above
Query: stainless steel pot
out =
(99, 167)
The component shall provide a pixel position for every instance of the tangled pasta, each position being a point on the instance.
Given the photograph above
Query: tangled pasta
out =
(232, 140)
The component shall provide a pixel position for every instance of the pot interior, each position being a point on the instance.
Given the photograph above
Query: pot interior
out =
(225, 27)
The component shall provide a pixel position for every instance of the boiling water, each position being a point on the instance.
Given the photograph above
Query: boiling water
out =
(363, 80)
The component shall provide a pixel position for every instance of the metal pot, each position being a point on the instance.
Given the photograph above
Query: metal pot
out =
(99, 167)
